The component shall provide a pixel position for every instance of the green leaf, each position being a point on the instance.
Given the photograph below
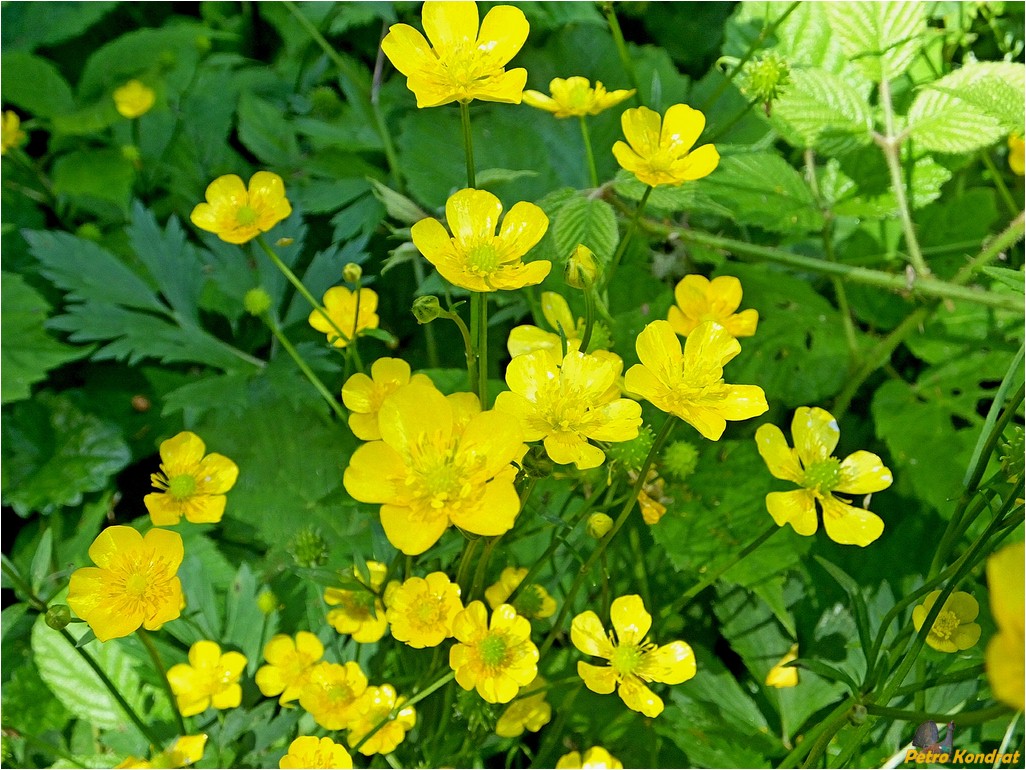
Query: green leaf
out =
(27, 26)
(859, 183)
(591, 222)
(265, 132)
(858, 602)
(96, 179)
(29, 704)
(34, 84)
(824, 112)
(881, 38)
(170, 259)
(996, 89)
(244, 625)
(941, 122)
(685, 197)
(398, 206)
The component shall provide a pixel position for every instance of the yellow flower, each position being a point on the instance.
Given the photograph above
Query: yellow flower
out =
(134, 99)
(633, 661)
(185, 751)
(1016, 154)
(289, 663)
(238, 215)
(191, 484)
(595, 758)
(496, 659)
(528, 712)
(582, 270)
(812, 467)
(690, 384)
(699, 299)
(527, 339)
(350, 311)
(376, 704)
(652, 511)
(420, 611)
(660, 150)
(954, 629)
(474, 257)
(534, 602)
(360, 613)
(461, 63)
(134, 583)
(11, 134)
(575, 97)
(783, 675)
(309, 751)
(566, 402)
(210, 678)
(441, 461)
(1005, 652)
(331, 692)
(364, 395)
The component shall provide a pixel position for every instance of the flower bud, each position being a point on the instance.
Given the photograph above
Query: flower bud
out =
(426, 309)
(599, 525)
(680, 459)
(763, 77)
(89, 232)
(267, 601)
(582, 269)
(309, 548)
(352, 273)
(58, 616)
(130, 153)
(257, 301)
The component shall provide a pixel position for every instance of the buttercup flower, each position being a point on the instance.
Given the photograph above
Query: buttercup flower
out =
(11, 134)
(460, 63)
(421, 610)
(186, 750)
(192, 485)
(812, 467)
(595, 758)
(659, 151)
(374, 705)
(574, 96)
(566, 402)
(699, 299)
(783, 675)
(364, 395)
(474, 257)
(1017, 154)
(289, 663)
(210, 678)
(953, 630)
(534, 602)
(309, 751)
(331, 692)
(134, 583)
(690, 384)
(651, 497)
(530, 712)
(134, 99)
(633, 661)
(236, 214)
(441, 461)
(496, 659)
(350, 311)
(360, 613)
(1005, 654)
(527, 338)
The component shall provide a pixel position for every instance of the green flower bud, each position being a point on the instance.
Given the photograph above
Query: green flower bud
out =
(599, 525)
(267, 601)
(763, 77)
(324, 103)
(631, 454)
(257, 301)
(680, 459)
(309, 548)
(582, 270)
(1013, 456)
(352, 273)
(89, 232)
(130, 153)
(58, 616)
(427, 309)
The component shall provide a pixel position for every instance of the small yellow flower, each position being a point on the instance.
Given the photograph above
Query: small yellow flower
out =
(461, 63)
(364, 395)
(134, 99)
(186, 750)
(209, 679)
(659, 151)
(572, 97)
(237, 214)
(1017, 154)
(699, 299)
(1005, 652)
(376, 704)
(134, 583)
(420, 611)
(690, 384)
(331, 692)
(812, 467)
(528, 712)
(954, 629)
(633, 661)
(11, 135)
(496, 659)
(527, 338)
(192, 485)
(309, 751)
(360, 613)
(534, 602)
(595, 758)
(474, 257)
(289, 663)
(652, 511)
(441, 461)
(783, 675)
(350, 311)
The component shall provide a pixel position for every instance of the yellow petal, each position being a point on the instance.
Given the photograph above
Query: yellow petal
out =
(659, 350)
(630, 619)
(966, 636)
(565, 448)
(471, 623)
(166, 544)
(797, 508)
(642, 382)
(682, 126)
(781, 459)
(815, 434)
(709, 422)
(638, 697)
(598, 679)
(506, 87)
(619, 421)
(267, 191)
(588, 636)
(710, 345)
(698, 164)
(1005, 668)
(692, 295)
(183, 450)
(540, 101)
(494, 513)
(407, 49)
(628, 159)
(557, 313)
(641, 127)
(742, 402)
(410, 533)
(671, 663)
(112, 542)
(228, 698)
(375, 470)
(848, 525)
(503, 33)
(359, 390)
(216, 475)
(491, 442)
(450, 26)
(1006, 585)
(432, 240)
(228, 191)
(963, 605)
(472, 215)
(522, 228)
(412, 413)
(743, 324)
(863, 473)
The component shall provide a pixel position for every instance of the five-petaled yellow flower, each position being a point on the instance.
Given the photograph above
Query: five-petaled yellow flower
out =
(359, 612)
(236, 214)
(1005, 652)
(364, 395)
(461, 63)
(331, 692)
(564, 403)
(350, 312)
(954, 629)
(310, 751)
(441, 461)
(134, 583)
(699, 299)
(134, 99)
(1017, 154)
(812, 467)
(474, 257)
(595, 758)
(376, 704)
(210, 678)
(288, 664)
(533, 602)
(11, 135)
(633, 661)
(783, 675)
(420, 611)
(658, 152)
(574, 97)
(689, 383)
(528, 712)
(496, 659)
(186, 750)
(192, 484)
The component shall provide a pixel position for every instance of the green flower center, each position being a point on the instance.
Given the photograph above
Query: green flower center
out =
(182, 486)
(528, 602)
(493, 650)
(136, 585)
(946, 624)
(245, 216)
(483, 258)
(338, 693)
(823, 475)
(625, 659)
(428, 611)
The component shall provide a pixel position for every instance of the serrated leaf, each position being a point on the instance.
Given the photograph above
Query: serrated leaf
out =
(1013, 279)
(941, 122)
(95, 178)
(685, 197)
(882, 39)
(588, 221)
(997, 89)
(824, 111)
(34, 84)
(398, 206)
(264, 130)
(170, 259)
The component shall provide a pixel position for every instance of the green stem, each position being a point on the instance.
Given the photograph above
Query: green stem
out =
(429, 330)
(621, 49)
(999, 183)
(151, 648)
(468, 143)
(482, 568)
(834, 721)
(463, 573)
(973, 672)
(586, 136)
(589, 318)
(304, 367)
(632, 227)
(963, 719)
(445, 679)
(479, 319)
(722, 130)
(1007, 238)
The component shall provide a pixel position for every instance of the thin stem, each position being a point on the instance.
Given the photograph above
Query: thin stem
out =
(429, 330)
(1007, 238)
(972, 672)
(722, 130)
(482, 568)
(833, 722)
(445, 679)
(621, 49)
(479, 318)
(963, 719)
(304, 367)
(999, 183)
(468, 143)
(468, 345)
(151, 648)
(589, 318)
(586, 136)
(463, 573)
(632, 227)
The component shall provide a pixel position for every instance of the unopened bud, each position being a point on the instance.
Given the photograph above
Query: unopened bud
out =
(130, 153)
(89, 231)
(599, 525)
(426, 309)
(58, 616)
(858, 714)
(763, 77)
(284, 241)
(257, 301)
(582, 269)
(267, 601)
(352, 273)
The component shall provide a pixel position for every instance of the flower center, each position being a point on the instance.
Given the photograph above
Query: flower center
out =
(245, 216)
(945, 624)
(428, 612)
(625, 659)
(662, 159)
(484, 257)
(338, 693)
(182, 486)
(823, 475)
(493, 650)
(136, 585)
